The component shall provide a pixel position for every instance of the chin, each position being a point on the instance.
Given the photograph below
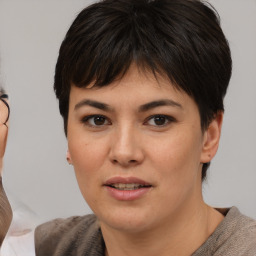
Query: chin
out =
(126, 220)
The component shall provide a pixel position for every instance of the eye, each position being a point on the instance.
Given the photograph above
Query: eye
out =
(160, 120)
(95, 120)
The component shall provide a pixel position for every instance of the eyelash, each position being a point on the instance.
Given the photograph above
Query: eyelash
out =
(86, 120)
(168, 120)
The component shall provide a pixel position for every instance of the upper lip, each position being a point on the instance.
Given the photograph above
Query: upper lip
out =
(126, 180)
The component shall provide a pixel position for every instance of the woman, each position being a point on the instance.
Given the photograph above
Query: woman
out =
(140, 87)
(5, 208)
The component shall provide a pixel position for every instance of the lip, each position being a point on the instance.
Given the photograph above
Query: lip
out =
(127, 195)
(126, 180)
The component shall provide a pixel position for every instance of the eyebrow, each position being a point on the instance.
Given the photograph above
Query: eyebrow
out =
(93, 103)
(159, 103)
(142, 108)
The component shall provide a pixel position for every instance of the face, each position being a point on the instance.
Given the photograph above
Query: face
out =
(3, 129)
(137, 148)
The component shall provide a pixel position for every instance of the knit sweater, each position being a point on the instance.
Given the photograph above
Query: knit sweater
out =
(81, 236)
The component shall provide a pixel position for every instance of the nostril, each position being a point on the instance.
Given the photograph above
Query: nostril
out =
(123, 162)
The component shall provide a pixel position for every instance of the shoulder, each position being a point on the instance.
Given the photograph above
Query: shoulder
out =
(236, 235)
(243, 237)
(67, 236)
(59, 226)
(242, 229)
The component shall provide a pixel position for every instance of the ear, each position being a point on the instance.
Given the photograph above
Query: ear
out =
(68, 157)
(212, 138)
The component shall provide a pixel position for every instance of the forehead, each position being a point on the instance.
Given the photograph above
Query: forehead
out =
(136, 90)
(144, 82)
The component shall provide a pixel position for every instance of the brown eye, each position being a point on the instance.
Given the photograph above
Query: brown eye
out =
(99, 120)
(160, 120)
(95, 120)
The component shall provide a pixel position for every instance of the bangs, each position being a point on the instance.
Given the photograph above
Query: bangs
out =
(178, 39)
(107, 54)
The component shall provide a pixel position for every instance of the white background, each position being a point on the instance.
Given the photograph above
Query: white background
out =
(36, 171)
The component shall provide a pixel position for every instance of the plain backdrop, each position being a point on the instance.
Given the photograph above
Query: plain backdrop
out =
(36, 171)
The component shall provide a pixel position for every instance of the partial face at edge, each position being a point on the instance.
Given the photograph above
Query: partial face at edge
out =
(3, 130)
(138, 128)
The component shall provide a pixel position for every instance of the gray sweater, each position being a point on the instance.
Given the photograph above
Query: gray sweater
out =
(80, 236)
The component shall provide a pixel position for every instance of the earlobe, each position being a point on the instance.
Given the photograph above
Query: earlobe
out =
(68, 157)
(211, 138)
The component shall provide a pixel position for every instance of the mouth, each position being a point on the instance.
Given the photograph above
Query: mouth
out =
(127, 189)
(127, 183)
(128, 186)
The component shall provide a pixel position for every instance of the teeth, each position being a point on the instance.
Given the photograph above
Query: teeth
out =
(122, 186)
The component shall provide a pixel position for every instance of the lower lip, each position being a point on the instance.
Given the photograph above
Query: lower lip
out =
(127, 195)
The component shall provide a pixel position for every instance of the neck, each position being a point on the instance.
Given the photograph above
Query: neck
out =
(182, 235)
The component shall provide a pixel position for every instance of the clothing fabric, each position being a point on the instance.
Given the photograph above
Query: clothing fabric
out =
(81, 236)
(235, 236)
(19, 245)
(19, 241)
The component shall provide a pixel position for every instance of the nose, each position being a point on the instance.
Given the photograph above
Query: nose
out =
(126, 147)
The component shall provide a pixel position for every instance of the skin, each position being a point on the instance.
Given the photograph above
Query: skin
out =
(3, 132)
(130, 143)
(5, 208)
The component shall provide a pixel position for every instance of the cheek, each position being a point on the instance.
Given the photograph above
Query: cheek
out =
(177, 156)
(87, 161)
(176, 162)
(86, 156)
(3, 139)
